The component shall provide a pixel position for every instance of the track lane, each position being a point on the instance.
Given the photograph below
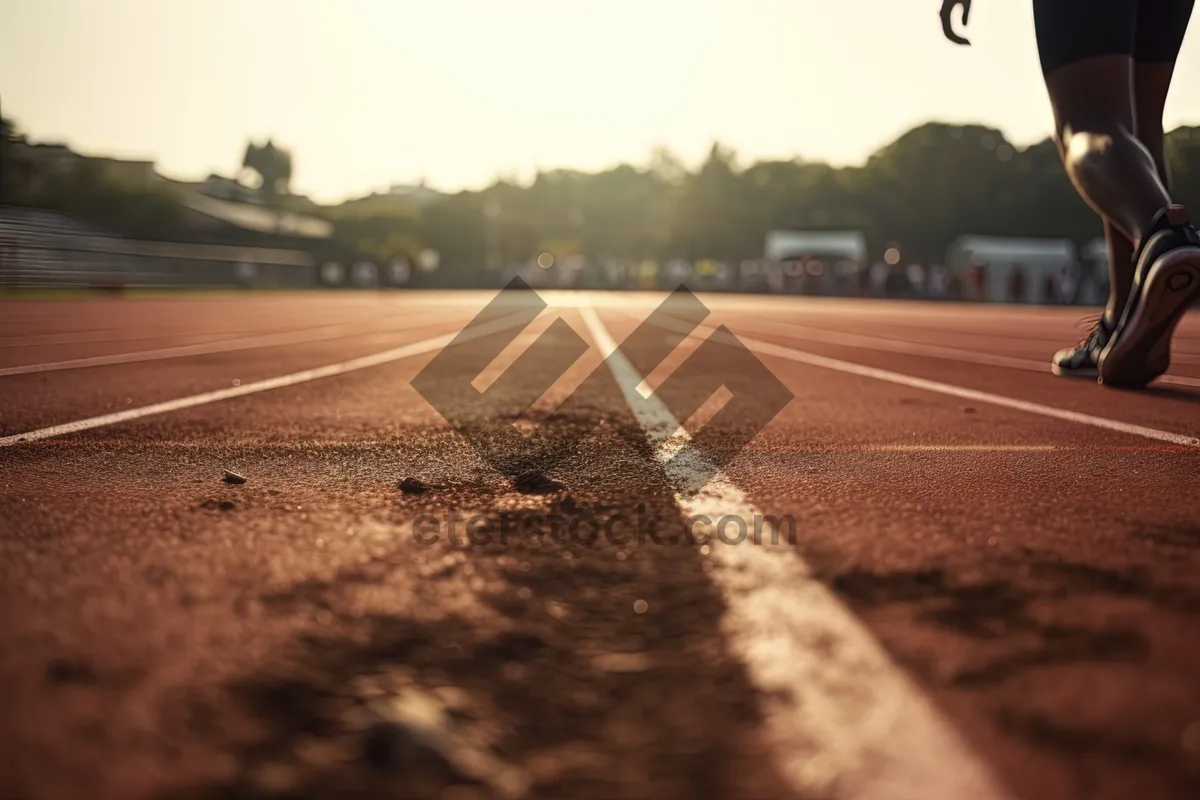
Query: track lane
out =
(951, 346)
(1039, 595)
(284, 589)
(310, 587)
(38, 400)
(1166, 407)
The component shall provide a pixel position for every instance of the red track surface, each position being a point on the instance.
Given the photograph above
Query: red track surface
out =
(1035, 578)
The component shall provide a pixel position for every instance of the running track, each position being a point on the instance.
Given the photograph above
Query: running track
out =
(993, 591)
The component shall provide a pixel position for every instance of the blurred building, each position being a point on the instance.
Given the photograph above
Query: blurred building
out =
(818, 262)
(1008, 270)
(223, 188)
(417, 194)
(1093, 279)
(219, 242)
(41, 248)
(214, 215)
(48, 160)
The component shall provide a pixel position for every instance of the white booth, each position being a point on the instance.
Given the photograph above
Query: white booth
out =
(1009, 270)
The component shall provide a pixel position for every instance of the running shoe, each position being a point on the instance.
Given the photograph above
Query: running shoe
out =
(1165, 284)
(1079, 361)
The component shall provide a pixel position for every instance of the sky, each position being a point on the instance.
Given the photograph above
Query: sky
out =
(366, 93)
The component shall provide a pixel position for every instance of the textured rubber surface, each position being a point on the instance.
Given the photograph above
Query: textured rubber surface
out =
(164, 634)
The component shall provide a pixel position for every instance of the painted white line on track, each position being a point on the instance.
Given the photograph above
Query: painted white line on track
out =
(119, 335)
(961, 448)
(324, 333)
(848, 367)
(930, 327)
(843, 339)
(841, 719)
(304, 376)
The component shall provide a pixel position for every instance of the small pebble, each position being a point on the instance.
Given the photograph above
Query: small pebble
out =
(534, 482)
(412, 486)
(233, 477)
(640, 607)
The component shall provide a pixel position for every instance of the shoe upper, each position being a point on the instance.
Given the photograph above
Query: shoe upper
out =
(1086, 353)
(1169, 229)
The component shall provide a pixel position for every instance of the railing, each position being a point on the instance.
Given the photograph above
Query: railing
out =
(43, 249)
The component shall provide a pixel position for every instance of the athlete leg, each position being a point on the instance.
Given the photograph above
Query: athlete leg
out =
(1087, 49)
(1167, 274)
(1161, 25)
(1159, 35)
(1151, 81)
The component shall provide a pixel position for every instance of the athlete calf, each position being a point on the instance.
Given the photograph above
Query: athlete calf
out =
(1108, 66)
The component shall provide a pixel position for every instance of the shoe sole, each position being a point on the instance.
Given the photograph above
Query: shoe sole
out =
(1090, 372)
(1142, 350)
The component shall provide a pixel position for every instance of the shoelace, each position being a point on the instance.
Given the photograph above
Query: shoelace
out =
(1094, 324)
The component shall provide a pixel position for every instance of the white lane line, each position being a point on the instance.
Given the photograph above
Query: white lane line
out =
(324, 333)
(31, 339)
(118, 335)
(304, 376)
(803, 357)
(862, 341)
(960, 448)
(841, 719)
(983, 340)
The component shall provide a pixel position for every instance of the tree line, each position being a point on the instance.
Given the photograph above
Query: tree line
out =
(918, 193)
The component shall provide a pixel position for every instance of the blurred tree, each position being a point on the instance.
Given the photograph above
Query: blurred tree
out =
(456, 227)
(14, 169)
(709, 213)
(1183, 154)
(623, 213)
(272, 164)
(923, 190)
(666, 166)
(380, 231)
(1039, 200)
(935, 183)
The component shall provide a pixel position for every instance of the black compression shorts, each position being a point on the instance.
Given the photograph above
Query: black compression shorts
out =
(1148, 31)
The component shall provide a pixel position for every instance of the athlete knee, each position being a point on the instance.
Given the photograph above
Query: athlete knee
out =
(1085, 143)
(1085, 140)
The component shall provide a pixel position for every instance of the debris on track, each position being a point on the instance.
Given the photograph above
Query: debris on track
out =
(233, 477)
(534, 482)
(412, 486)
